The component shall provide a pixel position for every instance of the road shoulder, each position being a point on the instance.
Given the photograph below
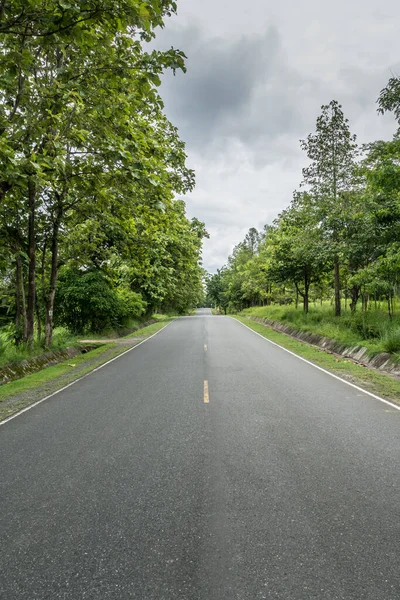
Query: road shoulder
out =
(22, 393)
(383, 385)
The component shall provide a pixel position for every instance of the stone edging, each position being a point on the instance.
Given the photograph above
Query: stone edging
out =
(382, 362)
(36, 363)
(16, 371)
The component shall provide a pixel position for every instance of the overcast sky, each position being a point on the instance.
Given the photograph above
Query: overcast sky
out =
(257, 75)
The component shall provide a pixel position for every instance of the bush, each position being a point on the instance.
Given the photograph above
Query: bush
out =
(391, 341)
(88, 301)
(131, 304)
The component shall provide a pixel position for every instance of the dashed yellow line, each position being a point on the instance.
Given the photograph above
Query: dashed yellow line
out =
(206, 394)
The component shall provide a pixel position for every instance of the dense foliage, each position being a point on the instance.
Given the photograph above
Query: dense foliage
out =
(90, 169)
(339, 239)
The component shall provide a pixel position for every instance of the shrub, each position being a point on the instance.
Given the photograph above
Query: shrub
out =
(131, 305)
(391, 341)
(88, 301)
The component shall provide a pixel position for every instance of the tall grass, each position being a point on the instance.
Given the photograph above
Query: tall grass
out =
(10, 353)
(371, 329)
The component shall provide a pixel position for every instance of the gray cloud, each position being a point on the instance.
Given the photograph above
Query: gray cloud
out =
(255, 83)
(227, 80)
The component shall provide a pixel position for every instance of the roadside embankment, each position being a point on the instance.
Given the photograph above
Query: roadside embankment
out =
(383, 361)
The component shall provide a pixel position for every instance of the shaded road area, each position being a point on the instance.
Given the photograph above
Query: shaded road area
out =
(128, 485)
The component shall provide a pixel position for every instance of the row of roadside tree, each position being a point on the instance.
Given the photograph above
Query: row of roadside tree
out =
(339, 238)
(91, 233)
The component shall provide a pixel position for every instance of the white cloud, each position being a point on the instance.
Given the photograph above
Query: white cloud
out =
(257, 76)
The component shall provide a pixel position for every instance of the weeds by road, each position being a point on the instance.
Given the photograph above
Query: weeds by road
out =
(371, 329)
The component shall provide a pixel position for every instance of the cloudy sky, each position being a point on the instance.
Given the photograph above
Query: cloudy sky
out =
(257, 75)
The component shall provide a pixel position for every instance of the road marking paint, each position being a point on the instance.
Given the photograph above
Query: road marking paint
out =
(80, 378)
(356, 387)
(205, 348)
(206, 394)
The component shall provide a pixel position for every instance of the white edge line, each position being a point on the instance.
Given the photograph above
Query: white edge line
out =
(356, 387)
(83, 377)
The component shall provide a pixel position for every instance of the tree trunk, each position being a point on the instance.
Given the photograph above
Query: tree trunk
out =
(53, 279)
(306, 291)
(38, 322)
(305, 301)
(18, 302)
(389, 305)
(355, 294)
(338, 306)
(30, 313)
(23, 299)
(365, 298)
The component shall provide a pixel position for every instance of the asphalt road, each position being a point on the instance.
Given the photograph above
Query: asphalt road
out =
(127, 485)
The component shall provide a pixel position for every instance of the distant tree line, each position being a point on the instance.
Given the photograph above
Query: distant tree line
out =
(339, 238)
(90, 232)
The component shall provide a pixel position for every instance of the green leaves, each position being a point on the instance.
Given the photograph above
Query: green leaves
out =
(82, 122)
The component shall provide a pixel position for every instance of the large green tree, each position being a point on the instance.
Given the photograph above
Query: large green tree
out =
(332, 150)
(83, 137)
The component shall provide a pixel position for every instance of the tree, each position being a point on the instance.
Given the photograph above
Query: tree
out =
(82, 129)
(298, 252)
(217, 289)
(389, 98)
(333, 152)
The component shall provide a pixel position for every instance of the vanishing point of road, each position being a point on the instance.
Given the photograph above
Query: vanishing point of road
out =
(204, 464)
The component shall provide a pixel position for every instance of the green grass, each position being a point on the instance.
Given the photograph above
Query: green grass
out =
(9, 353)
(371, 380)
(373, 329)
(151, 329)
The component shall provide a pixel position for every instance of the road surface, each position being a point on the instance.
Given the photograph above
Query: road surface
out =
(130, 485)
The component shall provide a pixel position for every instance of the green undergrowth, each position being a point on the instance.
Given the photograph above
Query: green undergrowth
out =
(32, 388)
(10, 353)
(150, 329)
(373, 381)
(372, 330)
(62, 338)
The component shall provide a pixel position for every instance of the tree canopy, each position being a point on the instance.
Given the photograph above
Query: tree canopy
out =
(91, 166)
(339, 238)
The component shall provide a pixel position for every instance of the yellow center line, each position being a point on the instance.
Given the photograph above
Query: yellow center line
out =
(205, 347)
(206, 395)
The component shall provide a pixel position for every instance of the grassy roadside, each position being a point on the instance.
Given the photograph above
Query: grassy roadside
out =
(371, 380)
(19, 394)
(150, 329)
(372, 330)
